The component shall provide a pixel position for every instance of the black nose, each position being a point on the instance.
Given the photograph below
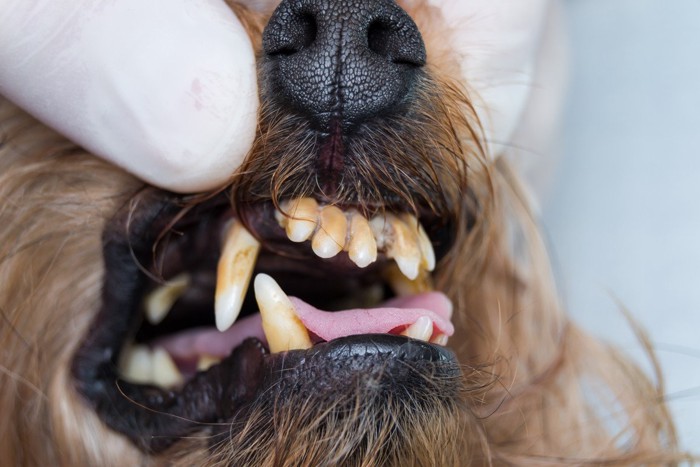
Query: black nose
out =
(343, 60)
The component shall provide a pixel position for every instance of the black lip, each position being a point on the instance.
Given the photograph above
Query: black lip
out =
(330, 364)
(155, 418)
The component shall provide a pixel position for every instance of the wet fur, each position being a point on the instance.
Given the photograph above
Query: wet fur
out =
(536, 390)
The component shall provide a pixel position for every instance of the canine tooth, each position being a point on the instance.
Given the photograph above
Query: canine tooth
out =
(424, 243)
(159, 302)
(137, 364)
(440, 339)
(362, 248)
(422, 329)
(233, 274)
(403, 247)
(330, 237)
(207, 361)
(301, 219)
(403, 286)
(283, 329)
(165, 372)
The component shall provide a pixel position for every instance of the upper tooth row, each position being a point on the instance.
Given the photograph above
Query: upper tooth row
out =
(401, 237)
(331, 231)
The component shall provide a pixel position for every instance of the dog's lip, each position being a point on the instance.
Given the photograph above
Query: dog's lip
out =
(155, 418)
(235, 382)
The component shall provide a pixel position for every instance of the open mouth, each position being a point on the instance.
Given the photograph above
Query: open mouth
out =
(203, 312)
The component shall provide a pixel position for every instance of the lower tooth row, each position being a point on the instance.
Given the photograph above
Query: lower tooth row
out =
(283, 330)
(142, 365)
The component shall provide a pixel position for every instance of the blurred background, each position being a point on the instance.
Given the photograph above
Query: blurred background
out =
(623, 215)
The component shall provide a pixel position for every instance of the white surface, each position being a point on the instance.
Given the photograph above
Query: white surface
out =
(624, 214)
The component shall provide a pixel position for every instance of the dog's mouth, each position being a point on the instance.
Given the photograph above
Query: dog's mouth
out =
(204, 312)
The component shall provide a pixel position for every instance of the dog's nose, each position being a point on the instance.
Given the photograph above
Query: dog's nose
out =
(342, 60)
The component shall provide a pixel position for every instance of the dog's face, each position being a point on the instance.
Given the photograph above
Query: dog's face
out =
(367, 192)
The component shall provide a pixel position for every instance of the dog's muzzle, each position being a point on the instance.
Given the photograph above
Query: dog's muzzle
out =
(311, 276)
(156, 367)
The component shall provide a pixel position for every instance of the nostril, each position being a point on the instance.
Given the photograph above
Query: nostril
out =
(398, 42)
(292, 37)
(377, 37)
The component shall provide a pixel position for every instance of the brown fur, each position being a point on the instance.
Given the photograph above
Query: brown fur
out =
(536, 390)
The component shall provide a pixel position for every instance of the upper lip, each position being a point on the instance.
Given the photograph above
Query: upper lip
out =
(129, 249)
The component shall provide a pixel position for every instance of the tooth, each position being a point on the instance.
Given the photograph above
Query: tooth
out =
(381, 229)
(330, 237)
(137, 364)
(424, 243)
(300, 219)
(426, 248)
(403, 247)
(235, 268)
(165, 372)
(283, 329)
(207, 361)
(422, 329)
(403, 286)
(159, 302)
(440, 339)
(362, 249)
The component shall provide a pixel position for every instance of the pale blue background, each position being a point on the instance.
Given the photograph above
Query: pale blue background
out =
(623, 217)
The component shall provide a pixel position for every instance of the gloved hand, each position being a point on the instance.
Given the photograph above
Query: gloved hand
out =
(165, 89)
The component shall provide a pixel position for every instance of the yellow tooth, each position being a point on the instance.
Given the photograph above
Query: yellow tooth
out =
(330, 237)
(440, 339)
(283, 329)
(381, 229)
(235, 268)
(424, 243)
(207, 361)
(159, 302)
(362, 248)
(137, 364)
(403, 247)
(426, 248)
(403, 286)
(300, 219)
(422, 329)
(165, 372)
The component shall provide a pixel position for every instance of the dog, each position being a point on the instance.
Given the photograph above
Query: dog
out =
(373, 194)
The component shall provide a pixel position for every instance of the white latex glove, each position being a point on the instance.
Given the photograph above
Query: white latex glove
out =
(165, 89)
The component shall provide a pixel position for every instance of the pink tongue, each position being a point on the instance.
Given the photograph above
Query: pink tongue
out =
(396, 314)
